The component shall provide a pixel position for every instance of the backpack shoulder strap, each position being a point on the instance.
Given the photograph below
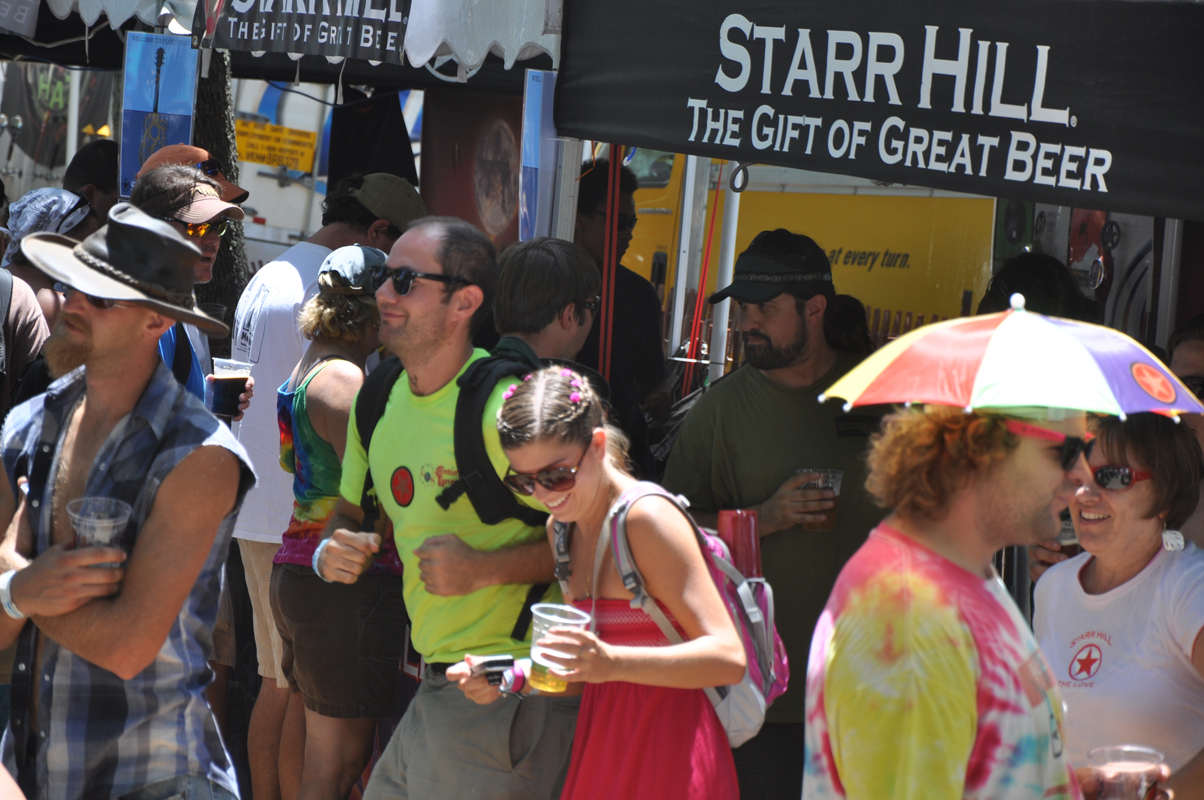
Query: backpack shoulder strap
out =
(490, 498)
(369, 408)
(181, 360)
(6, 299)
(560, 549)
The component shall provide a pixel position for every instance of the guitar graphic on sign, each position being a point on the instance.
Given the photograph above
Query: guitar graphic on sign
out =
(154, 129)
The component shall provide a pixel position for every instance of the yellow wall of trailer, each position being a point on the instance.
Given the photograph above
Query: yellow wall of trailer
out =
(912, 256)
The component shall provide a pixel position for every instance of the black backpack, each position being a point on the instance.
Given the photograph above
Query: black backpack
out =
(490, 498)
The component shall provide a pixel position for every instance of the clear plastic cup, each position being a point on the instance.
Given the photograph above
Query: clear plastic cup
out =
(98, 521)
(229, 381)
(1125, 772)
(545, 617)
(826, 479)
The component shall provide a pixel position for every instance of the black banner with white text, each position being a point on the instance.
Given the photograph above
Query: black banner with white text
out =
(1086, 103)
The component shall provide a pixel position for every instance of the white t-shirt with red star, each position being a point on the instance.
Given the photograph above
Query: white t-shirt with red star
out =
(1123, 658)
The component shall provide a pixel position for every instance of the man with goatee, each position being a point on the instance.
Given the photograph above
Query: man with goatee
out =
(108, 695)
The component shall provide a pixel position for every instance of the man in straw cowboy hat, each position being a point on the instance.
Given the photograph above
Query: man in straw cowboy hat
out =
(108, 699)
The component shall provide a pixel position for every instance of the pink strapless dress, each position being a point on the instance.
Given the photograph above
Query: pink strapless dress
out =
(646, 741)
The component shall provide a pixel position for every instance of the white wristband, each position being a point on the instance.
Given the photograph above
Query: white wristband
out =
(317, 557)
(6, 595)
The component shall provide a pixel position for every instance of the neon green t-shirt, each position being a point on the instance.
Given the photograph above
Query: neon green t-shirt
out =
(412, 461)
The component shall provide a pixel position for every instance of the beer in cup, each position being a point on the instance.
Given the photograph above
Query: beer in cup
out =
(1125, 772)
(229, 381)
(545, 617)
(825, 479)
(98, 521)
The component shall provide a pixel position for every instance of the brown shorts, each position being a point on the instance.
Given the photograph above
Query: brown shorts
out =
(342, 644)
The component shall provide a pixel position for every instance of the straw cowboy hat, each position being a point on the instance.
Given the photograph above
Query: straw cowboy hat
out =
(135, 258)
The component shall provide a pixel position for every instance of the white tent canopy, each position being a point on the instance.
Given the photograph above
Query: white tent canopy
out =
(466, 30)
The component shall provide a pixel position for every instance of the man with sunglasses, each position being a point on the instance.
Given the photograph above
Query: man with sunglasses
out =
(924, 680)
(370, 210)
(109, 687)
(190, 201)
(546, 302)
(433, 292)
(638, 372)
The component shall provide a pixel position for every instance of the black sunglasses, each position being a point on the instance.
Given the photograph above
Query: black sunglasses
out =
(103, 303)
(1115, 478)
(403, 279)
(211, 167)
(592, 305)
(1195, 383)
(1071, 446)
(557, 479)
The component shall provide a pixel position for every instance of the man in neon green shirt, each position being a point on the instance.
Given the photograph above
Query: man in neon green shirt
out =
(465, 582)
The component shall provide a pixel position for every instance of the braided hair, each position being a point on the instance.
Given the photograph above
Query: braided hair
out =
(559, 403)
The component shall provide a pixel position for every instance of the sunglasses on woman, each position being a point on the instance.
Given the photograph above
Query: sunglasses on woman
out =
(1072, 446)
(103, 303)
(556, 479)
(403, 279)
(198, 230)
(1116, 478)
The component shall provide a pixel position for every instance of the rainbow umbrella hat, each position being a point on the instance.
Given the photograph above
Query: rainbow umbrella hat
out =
(1017, 359)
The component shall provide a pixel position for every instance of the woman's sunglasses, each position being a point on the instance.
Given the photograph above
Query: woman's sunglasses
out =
(557, 479)
(1116, 478)
(198, 230)
(403, 280)
(103, 303)
(1072, 446)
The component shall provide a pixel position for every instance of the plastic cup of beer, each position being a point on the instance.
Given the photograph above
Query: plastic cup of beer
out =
(825, 479)
(545, 617)
(1125, 772)
(229, 381)
(98, 521)
(1068, 540)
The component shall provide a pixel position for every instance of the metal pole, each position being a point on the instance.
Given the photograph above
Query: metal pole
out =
(564, 203)
(74, 78)
(683, 251)
(1168, 292)
(727, 265)
(313, 170)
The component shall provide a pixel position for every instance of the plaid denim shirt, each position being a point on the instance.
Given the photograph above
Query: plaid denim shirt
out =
(96, 735)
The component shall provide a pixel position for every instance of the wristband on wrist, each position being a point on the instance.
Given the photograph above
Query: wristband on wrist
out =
(6, 595)
(317, 558)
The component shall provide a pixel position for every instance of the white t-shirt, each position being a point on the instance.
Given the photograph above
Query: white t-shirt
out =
(266, 334)
(1123, 658)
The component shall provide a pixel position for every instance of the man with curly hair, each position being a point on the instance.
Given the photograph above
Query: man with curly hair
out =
(924, 679)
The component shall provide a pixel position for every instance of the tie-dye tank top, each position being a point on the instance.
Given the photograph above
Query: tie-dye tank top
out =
(924, 681)
(316, 474)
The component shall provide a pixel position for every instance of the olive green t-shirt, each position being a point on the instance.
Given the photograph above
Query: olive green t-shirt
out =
(739, 443)
(412, 460)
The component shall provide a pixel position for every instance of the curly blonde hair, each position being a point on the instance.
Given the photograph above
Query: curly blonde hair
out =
(344, 318)
(919, 459)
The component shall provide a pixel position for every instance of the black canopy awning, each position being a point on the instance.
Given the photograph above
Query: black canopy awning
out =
(1087, 103)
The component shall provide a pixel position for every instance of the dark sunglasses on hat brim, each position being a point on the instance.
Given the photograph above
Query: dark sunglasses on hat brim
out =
(403, 279)
(212, 167)
(556, 479)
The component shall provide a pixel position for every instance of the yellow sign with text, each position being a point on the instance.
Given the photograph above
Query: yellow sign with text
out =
(275, 145)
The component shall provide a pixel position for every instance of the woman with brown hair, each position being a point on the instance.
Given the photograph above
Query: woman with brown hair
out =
(646, 728)
(1122, 624)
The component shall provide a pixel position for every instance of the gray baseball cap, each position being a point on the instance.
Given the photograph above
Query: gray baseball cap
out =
(354, 265)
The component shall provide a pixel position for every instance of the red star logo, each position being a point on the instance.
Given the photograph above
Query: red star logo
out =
(1086, 663)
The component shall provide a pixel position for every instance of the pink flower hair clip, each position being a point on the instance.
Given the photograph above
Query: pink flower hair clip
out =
(575, 397)
(576, 383)
(510, 392)
(566, 372)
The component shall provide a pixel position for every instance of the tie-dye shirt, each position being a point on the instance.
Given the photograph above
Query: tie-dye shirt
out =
(925, 682)
(316, 476)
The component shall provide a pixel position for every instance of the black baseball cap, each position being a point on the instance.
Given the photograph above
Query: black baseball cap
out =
(773, 261)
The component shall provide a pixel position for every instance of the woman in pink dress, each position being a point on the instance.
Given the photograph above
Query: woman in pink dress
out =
(646, 728)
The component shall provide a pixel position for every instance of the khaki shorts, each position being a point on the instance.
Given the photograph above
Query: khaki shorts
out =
(257, 563)
(447, 747)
